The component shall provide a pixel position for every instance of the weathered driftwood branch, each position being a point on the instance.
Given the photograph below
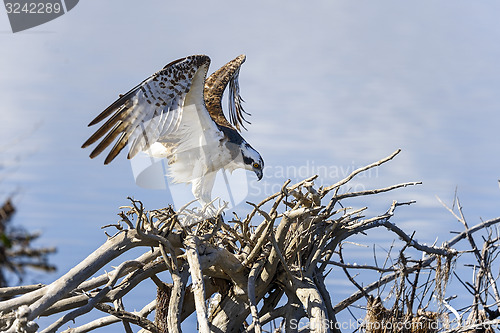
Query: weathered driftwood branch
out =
(193, 257)
(93, 301)
(278, 254)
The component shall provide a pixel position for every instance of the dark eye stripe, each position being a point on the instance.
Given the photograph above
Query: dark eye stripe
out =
(247, 160)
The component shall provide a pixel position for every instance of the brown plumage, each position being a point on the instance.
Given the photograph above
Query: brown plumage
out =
(214, 89)
(177, 114)
(132, 117)
(131, 113)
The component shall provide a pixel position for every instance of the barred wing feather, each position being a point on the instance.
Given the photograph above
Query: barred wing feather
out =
(150, 111)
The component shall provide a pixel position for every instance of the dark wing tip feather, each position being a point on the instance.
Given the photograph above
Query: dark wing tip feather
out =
(108, 139)
(110, 125)
(86, 144)
(118, 109)
(122, 111)
(122, 100)
(117, 148)
(104, 114)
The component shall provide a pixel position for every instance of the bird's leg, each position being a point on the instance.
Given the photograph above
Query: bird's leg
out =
(202, 190)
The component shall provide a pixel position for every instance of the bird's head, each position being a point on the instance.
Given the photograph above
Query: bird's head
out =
(252, 160)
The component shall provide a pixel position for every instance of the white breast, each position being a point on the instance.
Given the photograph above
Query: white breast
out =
(194, 150)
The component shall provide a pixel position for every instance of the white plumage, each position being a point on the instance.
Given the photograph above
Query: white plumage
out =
(177, 114)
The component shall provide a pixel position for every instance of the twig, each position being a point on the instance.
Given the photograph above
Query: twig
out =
(8, 292)
(375, 191)
(351, 266)
(128, 317)
(260, 242)
(357, 171)
(377, 284)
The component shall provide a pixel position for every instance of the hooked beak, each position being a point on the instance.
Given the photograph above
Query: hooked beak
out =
(259, 174)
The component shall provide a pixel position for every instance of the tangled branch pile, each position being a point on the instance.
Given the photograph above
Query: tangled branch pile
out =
(237, 275)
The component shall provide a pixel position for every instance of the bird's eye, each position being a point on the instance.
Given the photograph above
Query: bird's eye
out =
(256, 165)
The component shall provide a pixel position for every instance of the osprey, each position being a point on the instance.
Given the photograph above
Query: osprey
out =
(177, 114)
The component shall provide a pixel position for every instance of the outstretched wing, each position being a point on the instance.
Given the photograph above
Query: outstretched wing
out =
(214, 88)
(151, 110)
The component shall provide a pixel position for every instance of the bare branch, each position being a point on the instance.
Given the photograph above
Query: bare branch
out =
(254, 272)
(92, 301)
(248, 268)
(357, 171)
(193, 258)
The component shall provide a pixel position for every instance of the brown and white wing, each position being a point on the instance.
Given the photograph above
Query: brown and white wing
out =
(152, 110)
(214, 89)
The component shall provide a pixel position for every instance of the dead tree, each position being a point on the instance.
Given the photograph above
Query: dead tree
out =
(411, 298)
(237, 274)
(483, 312)
(16, 251)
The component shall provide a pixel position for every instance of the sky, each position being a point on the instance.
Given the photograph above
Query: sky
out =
(331, 86)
